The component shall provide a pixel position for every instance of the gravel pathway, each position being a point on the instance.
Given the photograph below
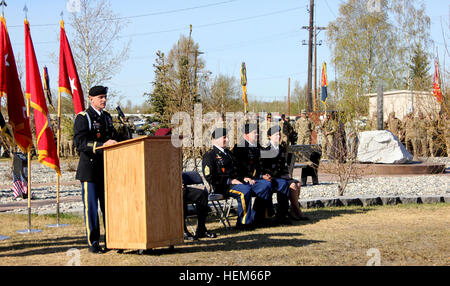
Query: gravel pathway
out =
(44, 187)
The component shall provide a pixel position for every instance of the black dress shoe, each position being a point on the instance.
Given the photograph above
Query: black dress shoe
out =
(241, 226)
(189, 236)
(96, 249)
(206, 234)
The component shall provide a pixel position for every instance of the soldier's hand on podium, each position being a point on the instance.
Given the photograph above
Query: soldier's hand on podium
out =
(109, 142)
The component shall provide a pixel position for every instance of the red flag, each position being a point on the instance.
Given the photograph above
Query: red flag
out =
(46, 145)
(436, 87)
(10, 86)
(69, 81)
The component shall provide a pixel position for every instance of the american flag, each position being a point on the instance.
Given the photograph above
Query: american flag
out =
(20, 186)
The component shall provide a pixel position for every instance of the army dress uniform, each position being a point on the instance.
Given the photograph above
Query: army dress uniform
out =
(91, 130)
(249, 166)
(276, 166)
(219, 169)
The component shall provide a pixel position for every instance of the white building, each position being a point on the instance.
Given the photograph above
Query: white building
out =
(403, 102)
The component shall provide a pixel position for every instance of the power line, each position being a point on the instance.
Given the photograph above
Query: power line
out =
(216, 23)
(141, 15)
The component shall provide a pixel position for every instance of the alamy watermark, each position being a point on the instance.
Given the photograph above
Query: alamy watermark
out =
(375, 257)
(374, 6)
(195, 130)
(73, 6)
(74, 257)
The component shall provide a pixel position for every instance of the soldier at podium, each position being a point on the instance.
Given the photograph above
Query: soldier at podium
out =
(93, 128)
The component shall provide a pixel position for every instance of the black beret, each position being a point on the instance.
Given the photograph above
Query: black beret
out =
(219, 133)
(97, 90)
(249, 127)
(274, 129)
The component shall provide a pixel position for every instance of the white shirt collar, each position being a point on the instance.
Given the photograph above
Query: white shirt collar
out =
(220, 148)
(250, 144)
(98, 112)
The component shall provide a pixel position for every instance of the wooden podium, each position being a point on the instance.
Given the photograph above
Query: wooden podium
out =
(143, 193)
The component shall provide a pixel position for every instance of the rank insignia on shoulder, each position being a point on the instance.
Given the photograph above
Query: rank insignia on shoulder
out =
(82, 113)
(207, 171)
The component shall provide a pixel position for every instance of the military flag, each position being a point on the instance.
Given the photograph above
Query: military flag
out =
(46, 145)
(69, 81)
(244, 85)
(47, 91)
(10, 87)
(436, 87)
(324, 93)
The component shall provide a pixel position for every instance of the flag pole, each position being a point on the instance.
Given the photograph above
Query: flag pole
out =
(58, 140)
(58, 177)
(2, 237)
(29, 230)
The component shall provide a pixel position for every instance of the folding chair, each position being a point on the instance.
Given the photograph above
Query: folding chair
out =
(221, 204)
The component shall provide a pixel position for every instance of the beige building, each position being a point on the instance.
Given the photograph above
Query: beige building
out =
(403, 102)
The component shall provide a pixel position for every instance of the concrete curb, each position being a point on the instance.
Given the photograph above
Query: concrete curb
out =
(373, 201)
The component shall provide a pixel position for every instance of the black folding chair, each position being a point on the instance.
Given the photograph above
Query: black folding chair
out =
(221, 204)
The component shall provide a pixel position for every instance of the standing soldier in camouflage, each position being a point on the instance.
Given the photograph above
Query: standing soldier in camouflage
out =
(394, 125)
(304, 127)
(432, 134)
(445, 123)
(411, 135)
(421, 131)
(328, 130)
(286, 130)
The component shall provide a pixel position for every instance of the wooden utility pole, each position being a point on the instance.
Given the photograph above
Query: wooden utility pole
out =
(310, 55)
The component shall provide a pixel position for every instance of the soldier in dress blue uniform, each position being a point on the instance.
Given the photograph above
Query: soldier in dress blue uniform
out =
(93, 128)
(219, 169)
(248, 154)
(287, 188)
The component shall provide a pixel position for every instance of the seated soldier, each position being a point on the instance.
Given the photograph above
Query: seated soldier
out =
(199, 197)
(248, 154)
(277, 167)
(219, 169)
(196, 196)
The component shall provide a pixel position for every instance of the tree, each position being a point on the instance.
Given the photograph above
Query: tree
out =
(419, 69)
(224, 95)
(361, 44)
(158, 98)
(411, 27)
(96, 34)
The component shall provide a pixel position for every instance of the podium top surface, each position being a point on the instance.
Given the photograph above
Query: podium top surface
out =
(141, 138)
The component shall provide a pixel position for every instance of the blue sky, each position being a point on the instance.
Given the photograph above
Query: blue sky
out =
(265, 34)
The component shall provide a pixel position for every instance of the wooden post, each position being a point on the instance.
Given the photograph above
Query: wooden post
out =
(380, 108)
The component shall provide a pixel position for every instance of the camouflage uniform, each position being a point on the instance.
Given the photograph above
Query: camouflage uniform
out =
(432, 134)
(286, 131)
(395, 126)
(304, 127)
(411, 135)
(421, 131)
(328, 130)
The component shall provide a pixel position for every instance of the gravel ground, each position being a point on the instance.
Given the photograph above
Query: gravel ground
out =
(45, 187)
